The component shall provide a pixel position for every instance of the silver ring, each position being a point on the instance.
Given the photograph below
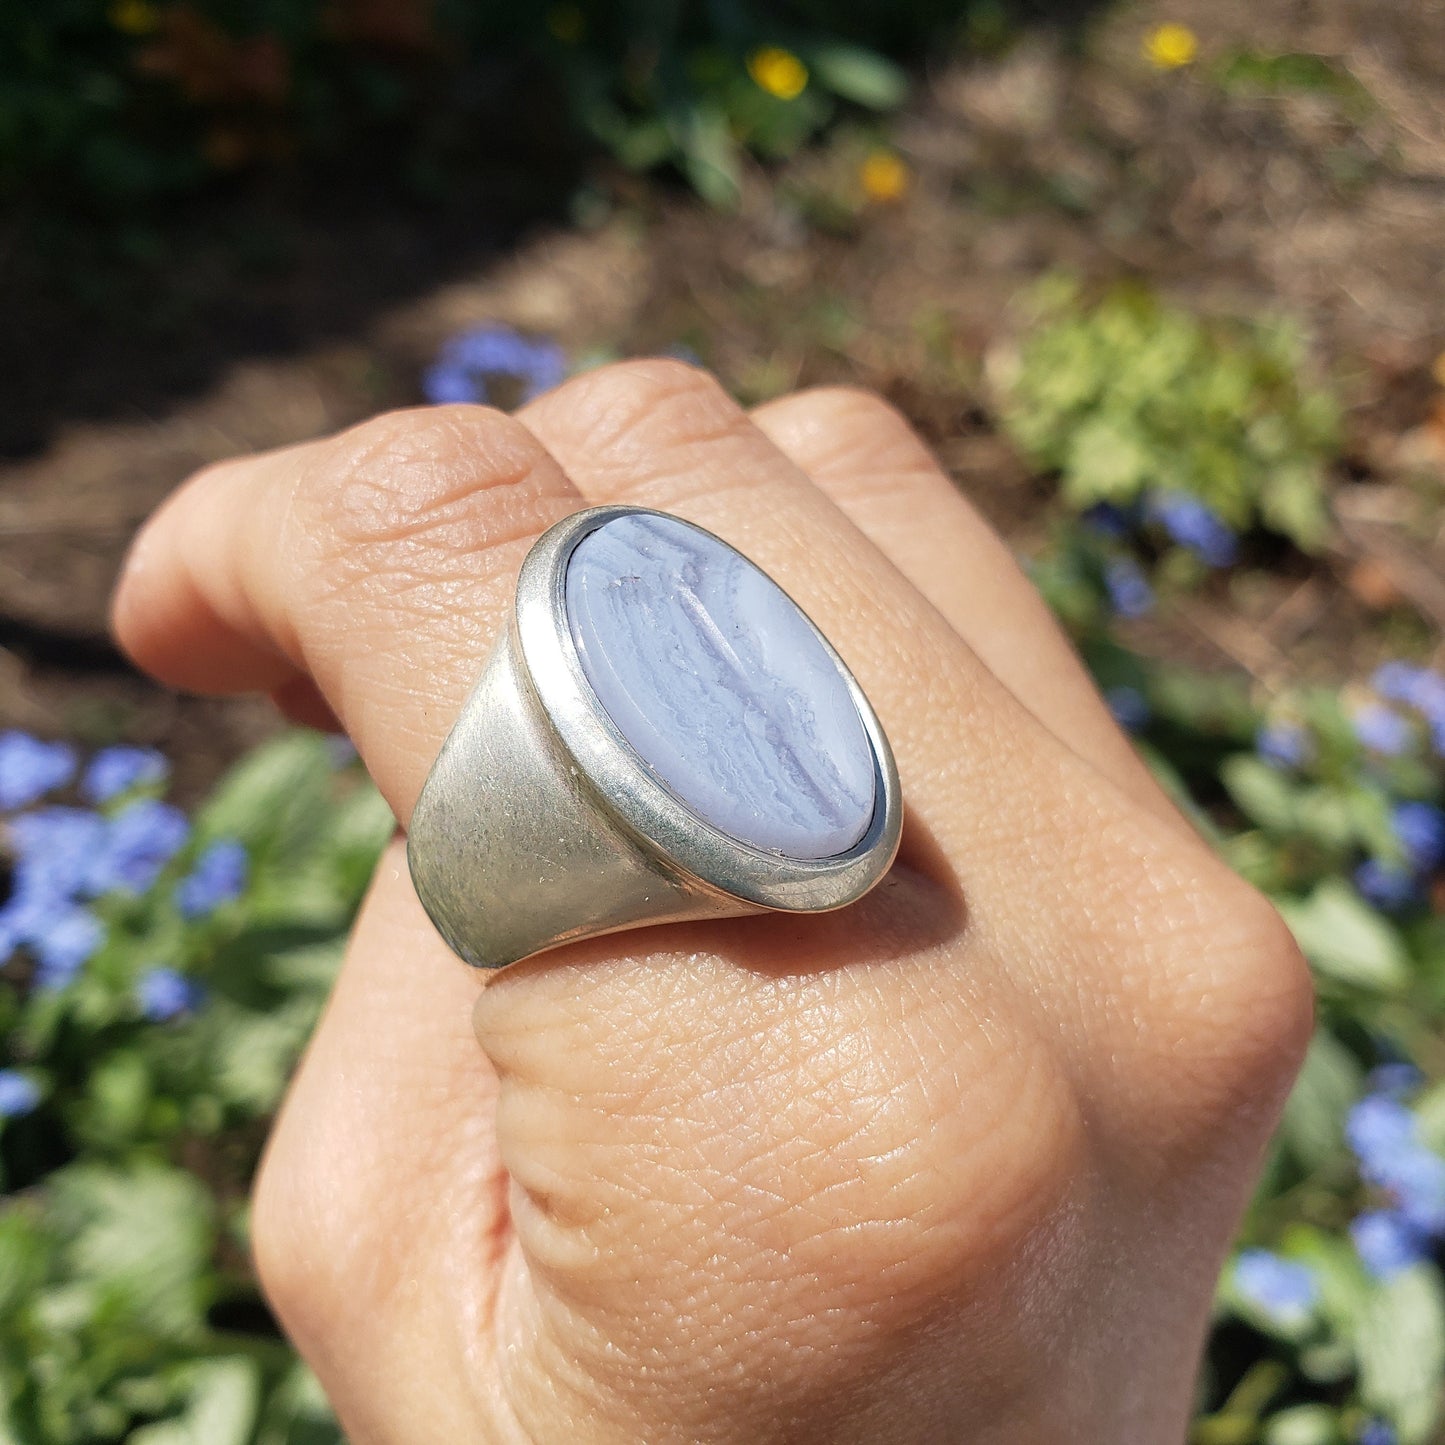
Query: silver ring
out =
(732, 746)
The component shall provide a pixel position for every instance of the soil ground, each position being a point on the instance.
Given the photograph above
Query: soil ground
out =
(264, 320)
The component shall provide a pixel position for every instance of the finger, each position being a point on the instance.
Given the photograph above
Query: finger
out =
(378, 564)
(380, 1219)
(869, 461)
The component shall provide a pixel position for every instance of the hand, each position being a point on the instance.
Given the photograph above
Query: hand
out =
(958, 1163)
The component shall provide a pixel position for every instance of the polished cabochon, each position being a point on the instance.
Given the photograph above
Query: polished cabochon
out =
(721, 686)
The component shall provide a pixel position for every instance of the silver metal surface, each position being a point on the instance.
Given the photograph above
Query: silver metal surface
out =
(539, 824)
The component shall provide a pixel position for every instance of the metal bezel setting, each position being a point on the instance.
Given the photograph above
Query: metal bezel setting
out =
(539, 823)
(638, 799)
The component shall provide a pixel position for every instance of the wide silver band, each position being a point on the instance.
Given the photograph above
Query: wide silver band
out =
(539, 823)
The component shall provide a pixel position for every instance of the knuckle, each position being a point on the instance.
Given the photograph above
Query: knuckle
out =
(293, 1275)
(1233, 1017)
(413, 477)
(631, 411)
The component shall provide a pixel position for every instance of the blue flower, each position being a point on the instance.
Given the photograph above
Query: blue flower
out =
(139, 842)
(55, 850)
(1388, 1242)
(1196, 526)
(1283, 1289)
(63, 945)
(29, 768)
(1382, 730)
(1420, 827)
(451, 385)
(19, 1094)
(218, 876)
(117, 770)
(164, 994)
(1129, 706)
(1129, 592)
(1378, 1432)
(1394, 1080)
(1109, 520)
(1283, 744)
(1381, 1132)
(1387, 885)
(1416, 1182)
(1416, 687)
(467, 360)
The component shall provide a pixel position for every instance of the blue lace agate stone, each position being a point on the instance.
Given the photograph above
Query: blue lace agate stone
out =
(720, 685)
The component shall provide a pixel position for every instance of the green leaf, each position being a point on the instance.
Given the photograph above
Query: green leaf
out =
(1346, 940)
(144, 1232)
(1401, 1350)
(1264, 795)
(1303, 1425)
(710, 159)
(274, 798)
(222, 1399)
(1329, 1083)
(861, 76)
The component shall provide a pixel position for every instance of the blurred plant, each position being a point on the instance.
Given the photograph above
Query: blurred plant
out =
(1198, 430)
(113, 103)
(158, 977)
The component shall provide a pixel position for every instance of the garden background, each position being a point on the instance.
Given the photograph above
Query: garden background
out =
(1162, 283)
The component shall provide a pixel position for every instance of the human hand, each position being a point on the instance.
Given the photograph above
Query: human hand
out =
(958, 1163)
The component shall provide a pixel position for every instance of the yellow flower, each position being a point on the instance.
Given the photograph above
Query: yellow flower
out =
(134, 17)
(779, 72)
(567, 23)
(885, 177)
(1438, 370)
(1171, 47)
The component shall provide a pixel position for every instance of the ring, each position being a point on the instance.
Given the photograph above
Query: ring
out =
(660, 734)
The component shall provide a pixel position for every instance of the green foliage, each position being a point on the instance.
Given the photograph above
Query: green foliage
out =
(110, 103)
(126, 1307)
(1129, 396)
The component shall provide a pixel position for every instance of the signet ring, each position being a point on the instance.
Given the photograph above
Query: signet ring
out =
(660, 734)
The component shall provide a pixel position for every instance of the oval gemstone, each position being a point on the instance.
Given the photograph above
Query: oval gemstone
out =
(721, 686)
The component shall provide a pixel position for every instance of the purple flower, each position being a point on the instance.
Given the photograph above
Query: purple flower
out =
(1130, 708)
(1388, 1242)
(117, 770)
(1196, 526)
(1283, 744)
(29, 768)
(467, 360)
(1420, 827)
(164, 994)
(1382, 730)
(1283, 1289)
(139, 842)
(1378, 1432)
(19, 1094)
(1387, 885)
(1381, 1132)
(1129, 592)
(63, 944)
(218, 876)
